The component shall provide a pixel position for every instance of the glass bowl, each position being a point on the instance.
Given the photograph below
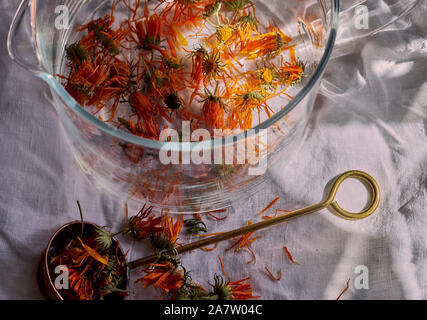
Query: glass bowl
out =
(134, 168)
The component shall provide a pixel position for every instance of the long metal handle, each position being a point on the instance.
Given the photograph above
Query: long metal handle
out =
(329, 202)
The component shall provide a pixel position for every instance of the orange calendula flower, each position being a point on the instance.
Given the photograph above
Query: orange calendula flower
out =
(101, 34)
(185, 12)
(212, 66)
(147, 33)
(116, 86)
(144, 224)
(197, 57)
(166, 238)
(232, 290)
(247, 26)
(214, 110)
(293, 73)
(163, 276)
(85, 80)
(246, 104)
(80, 285)
(271, 43)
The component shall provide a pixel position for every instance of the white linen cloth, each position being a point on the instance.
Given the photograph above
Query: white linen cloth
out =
(371, 115)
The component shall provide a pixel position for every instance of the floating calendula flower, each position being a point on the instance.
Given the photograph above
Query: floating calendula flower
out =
(148, 32)
(235, 5)
(267, 77)
(293, 73)
(265, 74)
(246, 27)
(271, 43)
(225, 34)
(146, 111)
(214, 109)
(212, 66)
(102, 33)
(118, 85)
(246, 103)
(86, 79)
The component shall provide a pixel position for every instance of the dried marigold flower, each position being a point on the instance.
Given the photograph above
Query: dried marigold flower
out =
(211, 65)
(214, 109)
(144, 224)
(148, 32)
(271, 43)
(232, 290)
(166, 237)
(163, 276)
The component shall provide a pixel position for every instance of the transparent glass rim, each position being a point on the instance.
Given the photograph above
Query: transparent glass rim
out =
(217, 142)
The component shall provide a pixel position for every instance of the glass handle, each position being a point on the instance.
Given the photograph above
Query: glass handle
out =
(362, 18)
(21, 44)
